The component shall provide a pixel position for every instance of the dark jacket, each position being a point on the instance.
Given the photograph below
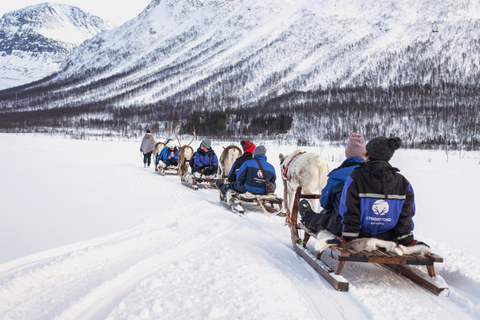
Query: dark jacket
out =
(205, 160)
(251, 176)
(232, 176)
(330, 198)
(378, 202)
(165, 153)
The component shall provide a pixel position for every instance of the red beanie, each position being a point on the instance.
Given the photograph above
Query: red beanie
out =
(247, 146)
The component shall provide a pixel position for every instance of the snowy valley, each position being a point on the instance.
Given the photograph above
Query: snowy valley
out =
(88, 233)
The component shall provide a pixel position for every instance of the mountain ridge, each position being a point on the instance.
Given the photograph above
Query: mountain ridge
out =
(35, 40)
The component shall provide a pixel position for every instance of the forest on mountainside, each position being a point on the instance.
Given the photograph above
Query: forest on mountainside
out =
(424, 116)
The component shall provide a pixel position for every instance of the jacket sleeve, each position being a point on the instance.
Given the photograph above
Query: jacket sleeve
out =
(175, 156)
(349, 209)
(404, 227)
(161, 155)
(242, 174)
(215, 160)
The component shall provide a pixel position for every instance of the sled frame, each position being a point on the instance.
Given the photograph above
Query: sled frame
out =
(200, 184)
(267, 204)
(342, 255)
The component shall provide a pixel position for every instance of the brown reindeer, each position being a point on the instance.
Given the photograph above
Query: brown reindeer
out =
(158, 148)
(184, 154)
(228, 157)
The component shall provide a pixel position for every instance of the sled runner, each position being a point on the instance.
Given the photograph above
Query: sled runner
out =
(341, 254)
(269, 203)
(196, 183)
(169, 171)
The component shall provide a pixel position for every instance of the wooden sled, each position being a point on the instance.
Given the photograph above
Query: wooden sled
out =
(200, 183)
(269, 203)
(169, 171)
(342, 255)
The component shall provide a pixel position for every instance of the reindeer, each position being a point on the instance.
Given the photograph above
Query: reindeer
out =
(184, 154)
(308, 170)
(159, 146)
(228, 157)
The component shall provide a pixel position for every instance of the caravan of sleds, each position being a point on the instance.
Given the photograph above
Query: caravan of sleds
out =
(303, 174)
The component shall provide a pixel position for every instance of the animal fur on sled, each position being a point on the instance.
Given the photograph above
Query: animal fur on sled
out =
(370, 244)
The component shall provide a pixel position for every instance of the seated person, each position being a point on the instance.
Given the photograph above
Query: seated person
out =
(248, 148)
(250, 177)
(376, 200)
(168, 156)
(204, 161)
(330, 198)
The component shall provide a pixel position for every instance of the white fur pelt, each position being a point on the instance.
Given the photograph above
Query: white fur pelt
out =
(370, 244)
(308, 170)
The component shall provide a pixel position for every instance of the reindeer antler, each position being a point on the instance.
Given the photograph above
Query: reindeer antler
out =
(194, 135)
(169, 134)
(176, 135)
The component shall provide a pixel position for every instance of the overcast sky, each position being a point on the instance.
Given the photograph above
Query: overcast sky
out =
(117, 11)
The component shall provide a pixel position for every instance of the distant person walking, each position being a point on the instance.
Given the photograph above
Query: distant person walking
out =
(147, 148)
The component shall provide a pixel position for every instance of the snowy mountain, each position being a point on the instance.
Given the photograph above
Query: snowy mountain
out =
(36, 39)
(413, 60)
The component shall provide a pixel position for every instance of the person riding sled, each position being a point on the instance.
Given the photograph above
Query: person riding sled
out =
(376, 201)
(204, 161)
(168, 156)
(332, 192)
(250, 177)
(248, 148)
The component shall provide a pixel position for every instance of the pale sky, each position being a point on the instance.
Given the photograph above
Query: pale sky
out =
(117, 11)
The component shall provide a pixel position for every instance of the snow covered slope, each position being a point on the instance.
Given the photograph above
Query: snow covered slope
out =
(36, 39)
(234, 52)
(100, 237)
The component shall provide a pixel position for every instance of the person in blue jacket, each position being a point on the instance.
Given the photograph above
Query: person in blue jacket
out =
(250, 177)
(329, 218)
(204, 161)
(168, 156)
(376, 200)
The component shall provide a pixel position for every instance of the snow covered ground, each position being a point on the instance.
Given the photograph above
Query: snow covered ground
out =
(87, 233)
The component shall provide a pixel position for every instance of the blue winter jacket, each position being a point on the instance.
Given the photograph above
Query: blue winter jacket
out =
(165, 153)
(377, 201)
(330, 198)
(251, 176)
(202, 158)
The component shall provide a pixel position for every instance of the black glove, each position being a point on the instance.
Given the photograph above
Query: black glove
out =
(406, 241)
(209, 170)
(337, 240)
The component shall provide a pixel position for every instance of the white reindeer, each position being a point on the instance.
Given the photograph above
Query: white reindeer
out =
(227, 158)
(308, 170)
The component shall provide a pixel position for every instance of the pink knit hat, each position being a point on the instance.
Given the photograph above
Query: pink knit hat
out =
(355, 146)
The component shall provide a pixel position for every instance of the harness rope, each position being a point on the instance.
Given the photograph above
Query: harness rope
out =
(285, 170)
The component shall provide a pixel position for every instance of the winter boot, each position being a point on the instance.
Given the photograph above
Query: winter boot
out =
(304, 208)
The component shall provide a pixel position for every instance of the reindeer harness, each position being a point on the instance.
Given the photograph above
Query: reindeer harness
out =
(285, 169)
